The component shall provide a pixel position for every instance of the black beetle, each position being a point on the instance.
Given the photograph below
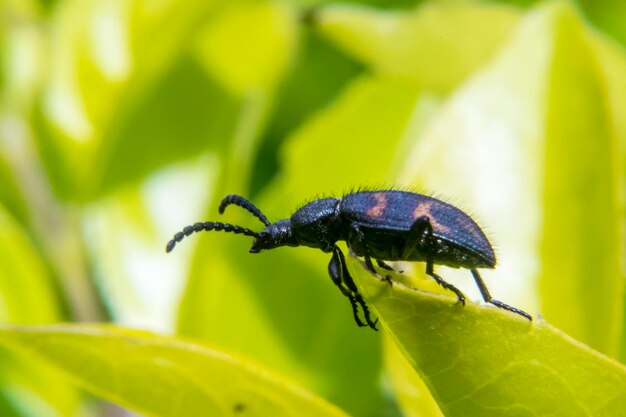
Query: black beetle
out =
(385, 225)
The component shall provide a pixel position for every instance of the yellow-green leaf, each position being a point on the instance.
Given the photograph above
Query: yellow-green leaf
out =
(612, 63)
(295, 318)
(249, 45)
(435, 46)
(106, 60)
(410, 391)
(27, 296)
(578, 122)
(164, 376)
(509, 147)
(483, 361)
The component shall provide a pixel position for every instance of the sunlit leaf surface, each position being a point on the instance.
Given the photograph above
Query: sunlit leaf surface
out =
(294, 318)
(579, 123)
(429, 46)
(409, 389)
(508, 146)
(263, 34)
(483, 361)
(113, 66)
(26, 296)
(162, 376)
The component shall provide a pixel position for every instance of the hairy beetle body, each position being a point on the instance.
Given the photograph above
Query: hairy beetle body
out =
(384, 225)
(386, 219)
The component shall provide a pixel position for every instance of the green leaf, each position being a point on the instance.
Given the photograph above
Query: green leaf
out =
(428, 46)
(607, 16)
(410, 391)
(172, 131)
(27, 296)
(371, 113)
(295, 320)
(319, 74)
(110, 70)
(163, 376)
(612, 66)
(20, 55)
(484, 361)
(508, 146)
(249, 45)
(579, 123)
(30, 387)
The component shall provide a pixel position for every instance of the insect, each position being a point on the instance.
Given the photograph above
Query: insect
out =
(384, 225)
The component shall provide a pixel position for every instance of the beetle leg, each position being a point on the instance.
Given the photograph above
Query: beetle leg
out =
(382, 264)
(347, 279)
(340, 275)
(335, 270)
(488, 299)
(444, 284)
(419, 234)
(366, 253)
(366, 256)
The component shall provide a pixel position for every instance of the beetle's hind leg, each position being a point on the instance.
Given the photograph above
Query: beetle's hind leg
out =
(488, 299)
(430, 271)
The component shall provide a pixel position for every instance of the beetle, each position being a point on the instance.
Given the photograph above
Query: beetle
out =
(384, 225)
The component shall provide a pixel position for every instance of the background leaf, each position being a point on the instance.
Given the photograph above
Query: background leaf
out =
(161, 376)
(516, 166)
(99, 87)
(414, 45)
(269, 294)
(29, 388)
(575, 127)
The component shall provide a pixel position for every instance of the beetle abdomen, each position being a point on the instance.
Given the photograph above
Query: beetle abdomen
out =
(387, 216)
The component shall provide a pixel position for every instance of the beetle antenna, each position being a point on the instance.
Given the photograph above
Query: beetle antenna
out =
(243, 203)
(207, 227)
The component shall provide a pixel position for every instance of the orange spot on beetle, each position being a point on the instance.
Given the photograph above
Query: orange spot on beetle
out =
(379, 208)
(424, 210)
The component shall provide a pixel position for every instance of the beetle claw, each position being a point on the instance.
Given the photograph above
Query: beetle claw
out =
(373, 325)
(388, 280)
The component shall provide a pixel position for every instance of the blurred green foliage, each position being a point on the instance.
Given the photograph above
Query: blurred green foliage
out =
(121, 121)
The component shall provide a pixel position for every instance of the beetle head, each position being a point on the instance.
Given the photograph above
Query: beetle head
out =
(275, 235)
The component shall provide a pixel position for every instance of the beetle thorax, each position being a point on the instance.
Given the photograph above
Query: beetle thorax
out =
(317, 224)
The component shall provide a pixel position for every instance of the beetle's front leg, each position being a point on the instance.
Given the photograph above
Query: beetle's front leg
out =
(338, 271)
(335, 270)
